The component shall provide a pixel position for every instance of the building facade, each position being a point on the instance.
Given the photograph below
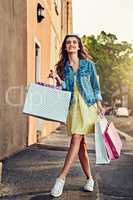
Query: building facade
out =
(31, 32)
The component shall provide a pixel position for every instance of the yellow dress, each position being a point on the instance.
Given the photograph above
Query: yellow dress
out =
(81, 117)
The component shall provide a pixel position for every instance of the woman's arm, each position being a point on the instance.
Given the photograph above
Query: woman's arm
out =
(96, 88)
(95, 83)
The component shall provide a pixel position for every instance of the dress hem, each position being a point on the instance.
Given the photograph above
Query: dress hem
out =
(78, 133)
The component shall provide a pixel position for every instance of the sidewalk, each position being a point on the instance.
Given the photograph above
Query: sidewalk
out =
(30, 174)
(60, 141)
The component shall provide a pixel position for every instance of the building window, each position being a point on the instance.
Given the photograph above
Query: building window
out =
(56, 7)
(37, 62)
(40, 13)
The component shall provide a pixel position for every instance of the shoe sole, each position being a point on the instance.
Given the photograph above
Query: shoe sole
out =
(88, 190)
(55, 195)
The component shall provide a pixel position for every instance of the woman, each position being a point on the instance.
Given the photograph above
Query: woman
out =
(79, 76)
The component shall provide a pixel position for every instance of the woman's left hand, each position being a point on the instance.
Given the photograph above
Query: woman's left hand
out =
(100, 109)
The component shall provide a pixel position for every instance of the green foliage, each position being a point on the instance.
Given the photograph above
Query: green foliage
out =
(114, 62)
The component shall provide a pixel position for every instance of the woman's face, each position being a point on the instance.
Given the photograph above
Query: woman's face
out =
(72, 45)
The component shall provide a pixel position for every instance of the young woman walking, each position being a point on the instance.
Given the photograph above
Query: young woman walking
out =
(78, 75)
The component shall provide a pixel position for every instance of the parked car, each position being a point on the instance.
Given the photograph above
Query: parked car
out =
(122, 112)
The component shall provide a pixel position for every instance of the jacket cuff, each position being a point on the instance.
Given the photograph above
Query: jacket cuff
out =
(63, 85)
(98, 97)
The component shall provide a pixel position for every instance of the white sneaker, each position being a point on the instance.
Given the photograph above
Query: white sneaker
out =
(89, 186)
(57, 189)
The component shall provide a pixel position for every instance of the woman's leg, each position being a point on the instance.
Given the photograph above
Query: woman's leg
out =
(84, 158)
(73, 151)
(71, 155)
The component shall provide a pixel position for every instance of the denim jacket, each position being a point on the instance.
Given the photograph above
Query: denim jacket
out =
(86, 79)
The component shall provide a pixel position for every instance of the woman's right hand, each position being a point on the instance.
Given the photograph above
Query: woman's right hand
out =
(55, 76)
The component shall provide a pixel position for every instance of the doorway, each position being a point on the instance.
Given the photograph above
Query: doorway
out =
(39, 122)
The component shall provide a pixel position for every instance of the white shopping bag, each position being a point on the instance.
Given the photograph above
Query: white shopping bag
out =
(101, 153)
(47, 102)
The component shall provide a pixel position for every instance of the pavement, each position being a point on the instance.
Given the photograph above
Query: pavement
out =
(30, 174)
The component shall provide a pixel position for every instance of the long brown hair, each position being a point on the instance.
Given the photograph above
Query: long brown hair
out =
(63, 56)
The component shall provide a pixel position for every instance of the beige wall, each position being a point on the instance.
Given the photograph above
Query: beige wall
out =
(19, 31)
(48, 33)
(66, 17)
(13, 64)
(40, 33)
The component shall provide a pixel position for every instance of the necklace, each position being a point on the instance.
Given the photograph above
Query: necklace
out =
(75, 65)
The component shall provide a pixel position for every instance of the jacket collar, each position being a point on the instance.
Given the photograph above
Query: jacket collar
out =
(82, 62)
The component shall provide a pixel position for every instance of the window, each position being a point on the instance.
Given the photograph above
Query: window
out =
(56, 6)
(37, 62)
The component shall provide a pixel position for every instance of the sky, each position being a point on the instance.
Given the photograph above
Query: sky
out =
(112, 16)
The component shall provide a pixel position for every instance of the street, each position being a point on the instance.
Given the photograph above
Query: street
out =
(30, 174)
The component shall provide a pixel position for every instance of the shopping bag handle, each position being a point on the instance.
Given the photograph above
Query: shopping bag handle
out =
(102, 115)
(48, 85)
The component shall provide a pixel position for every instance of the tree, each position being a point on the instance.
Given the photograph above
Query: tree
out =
(113, 61)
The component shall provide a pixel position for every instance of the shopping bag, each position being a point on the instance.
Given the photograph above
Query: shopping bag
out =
(101, 153)
(47, 102)
(112, 141)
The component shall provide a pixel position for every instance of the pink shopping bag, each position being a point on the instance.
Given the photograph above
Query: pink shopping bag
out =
(112, 142)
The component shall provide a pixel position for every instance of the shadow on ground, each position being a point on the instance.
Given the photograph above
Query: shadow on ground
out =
(42, 197)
